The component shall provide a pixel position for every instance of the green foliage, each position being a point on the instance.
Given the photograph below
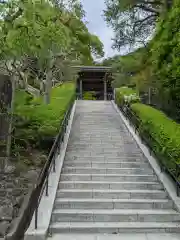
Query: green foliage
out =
(157, 66)
(39, 123)
(22, 97)
(51, 35)
(125, 91)
(165, 56)
(40, 41)
(163, 129)
(125, 67)
(125, 94)
(133, 21)
(89, 96)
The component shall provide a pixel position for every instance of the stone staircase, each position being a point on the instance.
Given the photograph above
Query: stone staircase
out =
(106, 184)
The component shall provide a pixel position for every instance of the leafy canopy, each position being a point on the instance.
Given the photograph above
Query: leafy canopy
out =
(47, 32)
(133, 21)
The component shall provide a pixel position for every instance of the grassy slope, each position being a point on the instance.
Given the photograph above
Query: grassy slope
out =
(46, 118)
(39, 123)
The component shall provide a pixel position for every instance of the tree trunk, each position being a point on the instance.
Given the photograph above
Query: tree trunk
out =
(48, 87)
(149, 95)
(10, 114)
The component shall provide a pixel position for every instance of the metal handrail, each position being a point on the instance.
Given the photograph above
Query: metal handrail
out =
(51, 162)
(42, 181)
(149, 140)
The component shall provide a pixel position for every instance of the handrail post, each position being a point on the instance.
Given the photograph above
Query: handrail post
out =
(177, 183)
(177, 189)
(54, 163)
(36, 217)
(47, 183)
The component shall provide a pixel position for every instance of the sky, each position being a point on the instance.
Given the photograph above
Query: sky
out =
(97, 25)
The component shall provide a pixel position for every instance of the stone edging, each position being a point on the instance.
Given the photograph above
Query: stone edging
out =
(47, 203)
(162, 176)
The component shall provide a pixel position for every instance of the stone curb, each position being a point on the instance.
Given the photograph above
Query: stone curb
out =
(47, 203)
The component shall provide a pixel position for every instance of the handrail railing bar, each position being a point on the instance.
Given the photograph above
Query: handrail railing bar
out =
(48, 166)
(135, 121)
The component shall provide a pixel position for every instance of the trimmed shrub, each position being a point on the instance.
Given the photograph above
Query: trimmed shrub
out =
(163, 130)
(38, 123)
(89, 96)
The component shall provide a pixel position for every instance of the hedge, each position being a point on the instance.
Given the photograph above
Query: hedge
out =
(163, 130)
(38, 123)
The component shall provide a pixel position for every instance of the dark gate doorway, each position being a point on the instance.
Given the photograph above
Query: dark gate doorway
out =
(94, 80)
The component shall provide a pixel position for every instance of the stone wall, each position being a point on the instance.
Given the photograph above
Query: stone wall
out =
(13, 188)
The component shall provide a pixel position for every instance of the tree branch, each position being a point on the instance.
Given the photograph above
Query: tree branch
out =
(11, 18)
(140, 22)
(151, 2)
(148, 9)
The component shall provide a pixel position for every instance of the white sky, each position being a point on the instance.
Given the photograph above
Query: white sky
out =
(97, 25)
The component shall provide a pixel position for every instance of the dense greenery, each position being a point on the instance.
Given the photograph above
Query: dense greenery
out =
(166, 61)
(125, 94)
(165, 132)
(37, 123)
(155, 69)
(40, 41)
(158, 70)
(125, 67)
(89, 95)
(134, 20)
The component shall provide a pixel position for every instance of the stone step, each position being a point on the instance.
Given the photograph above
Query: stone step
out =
(89, 170)
(99, 147)
(77, 140)
(110, 185)
(99, 164)
(114, 215)
(119, 135)
(90, 131)
(100, 136)
(97, 140)
(108, 177)
(107, 155)
(100, 151)
(112, 194)
(95, 130)
(99, 143)
(95, 146)
(95, 203)
(102, 160)
(114, 227)
(106, 159)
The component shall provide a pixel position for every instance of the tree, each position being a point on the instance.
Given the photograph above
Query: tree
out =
(43, 39)
(51, 30)
(125, 67)
(134, 21)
